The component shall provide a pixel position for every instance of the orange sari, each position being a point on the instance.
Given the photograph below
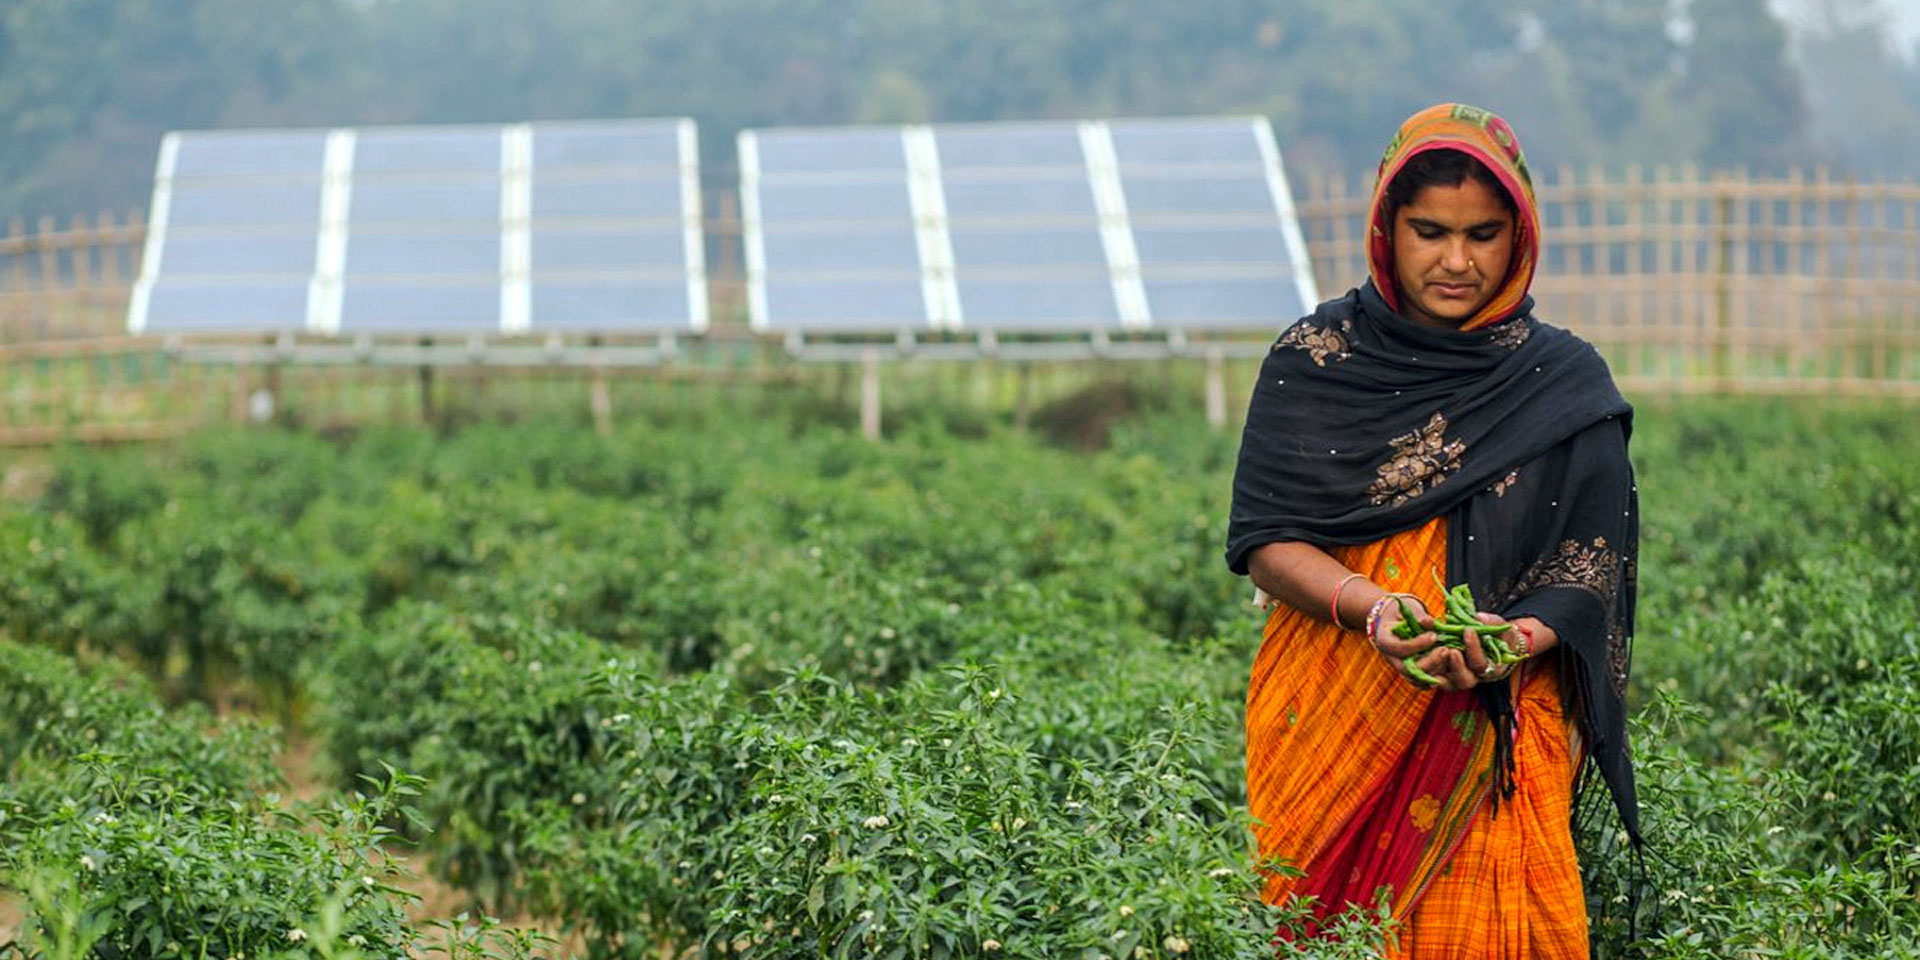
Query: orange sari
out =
(1364, 781)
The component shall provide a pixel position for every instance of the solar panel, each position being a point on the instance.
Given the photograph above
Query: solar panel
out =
(829, 228)
(1055, 227)
(1213, 224)
(588, 226)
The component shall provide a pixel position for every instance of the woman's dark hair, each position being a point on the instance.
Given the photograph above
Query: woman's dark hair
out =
(1443, 168)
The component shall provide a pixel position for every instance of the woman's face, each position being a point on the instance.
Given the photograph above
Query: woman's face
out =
(1451, 247)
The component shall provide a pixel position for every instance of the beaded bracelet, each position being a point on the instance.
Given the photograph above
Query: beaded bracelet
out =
(1377, 610)
(1526, 639)
(1334, 607)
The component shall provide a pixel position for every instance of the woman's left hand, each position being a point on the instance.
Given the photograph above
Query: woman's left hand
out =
(1458, 669)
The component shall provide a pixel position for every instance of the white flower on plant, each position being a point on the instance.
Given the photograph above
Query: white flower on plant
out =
(808, 838)
(876, 822)
(1125, 910)
(886, 633)
(622, 717)
(1176, 944)
(366, 881)
(864, 916)
(1220, 872)
(990, 945)
(88, 862)
(1019, 822)
(358, 940)
(296, 935)
(1119, 934)
(776, 798)
(579, 798)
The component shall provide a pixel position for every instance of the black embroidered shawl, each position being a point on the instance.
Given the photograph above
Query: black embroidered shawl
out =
(1364, 424)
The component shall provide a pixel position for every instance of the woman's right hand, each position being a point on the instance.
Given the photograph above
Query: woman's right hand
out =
(1445, 665)
(1447, 668)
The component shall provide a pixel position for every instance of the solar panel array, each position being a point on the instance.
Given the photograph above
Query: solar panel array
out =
(546, 227)
(1101, 226)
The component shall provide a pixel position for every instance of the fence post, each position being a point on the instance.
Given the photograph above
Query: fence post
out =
(870, 393)
(1723, 272)
(1216, 390)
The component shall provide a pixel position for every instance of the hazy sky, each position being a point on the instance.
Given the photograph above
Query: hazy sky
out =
(1906, 20)
(1903, 16)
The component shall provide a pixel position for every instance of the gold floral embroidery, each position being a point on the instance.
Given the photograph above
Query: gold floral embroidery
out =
(1500, 489)
(1598, 569)
(1323, 343)
(1420, 461)
(1511, 334)
(1594, 568)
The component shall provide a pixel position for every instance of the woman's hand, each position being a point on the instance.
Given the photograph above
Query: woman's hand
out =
(1448, 668)
(1398, 651)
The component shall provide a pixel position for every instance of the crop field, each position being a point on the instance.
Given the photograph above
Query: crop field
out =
(726, 684)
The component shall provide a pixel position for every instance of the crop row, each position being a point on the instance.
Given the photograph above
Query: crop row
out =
(772, 690)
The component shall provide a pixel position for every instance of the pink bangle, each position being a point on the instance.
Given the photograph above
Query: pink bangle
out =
(1333, 612)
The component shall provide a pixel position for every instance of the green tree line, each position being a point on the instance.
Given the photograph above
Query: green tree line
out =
(87, 87)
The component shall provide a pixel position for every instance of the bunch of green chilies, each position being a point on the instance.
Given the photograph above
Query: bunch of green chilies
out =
(1452, 626)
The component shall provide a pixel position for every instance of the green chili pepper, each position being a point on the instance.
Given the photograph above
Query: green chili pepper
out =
(1414, 671)
(1409, 625)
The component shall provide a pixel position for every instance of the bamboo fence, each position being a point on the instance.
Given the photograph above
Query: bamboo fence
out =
(1687, 283)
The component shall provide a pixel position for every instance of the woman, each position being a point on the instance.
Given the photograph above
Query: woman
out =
(1425, 428)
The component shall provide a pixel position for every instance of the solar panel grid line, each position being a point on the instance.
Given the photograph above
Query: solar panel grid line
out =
(639, 274)
(828, 178)
(609, 225)
(939, 287)
(141, 299)
(1283, 207)
(1223, 271)
(1116, 231)
(1038, 272)
(596, 172)
(693, 243)
(850, 275)
(1199, 220)
(324, 293)
(828, 228)
(753, 239)
(516, 240)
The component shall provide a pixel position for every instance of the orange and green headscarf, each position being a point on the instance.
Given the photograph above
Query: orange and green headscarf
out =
(1488, 139)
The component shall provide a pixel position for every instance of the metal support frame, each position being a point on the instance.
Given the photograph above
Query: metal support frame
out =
(987, 344)
(474, 351)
